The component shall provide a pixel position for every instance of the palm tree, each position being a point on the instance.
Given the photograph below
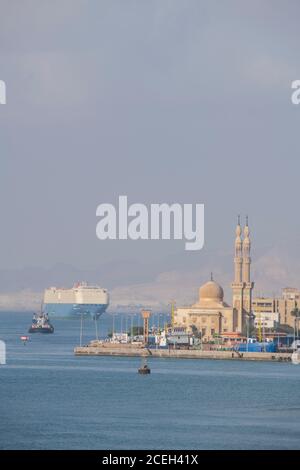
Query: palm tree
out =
(195, 331)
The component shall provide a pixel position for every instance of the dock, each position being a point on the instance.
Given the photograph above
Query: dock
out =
(132, 350)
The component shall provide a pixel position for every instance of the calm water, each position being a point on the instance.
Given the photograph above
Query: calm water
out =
(50, 399)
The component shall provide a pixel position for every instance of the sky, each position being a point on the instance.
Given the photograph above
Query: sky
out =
(162, 101)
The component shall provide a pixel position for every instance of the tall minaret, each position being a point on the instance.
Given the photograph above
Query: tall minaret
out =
(237, 285)
(238, 260)
(248, 285)
(246, 253)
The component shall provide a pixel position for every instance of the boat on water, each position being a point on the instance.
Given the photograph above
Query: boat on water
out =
(81, 300)
(41, 324)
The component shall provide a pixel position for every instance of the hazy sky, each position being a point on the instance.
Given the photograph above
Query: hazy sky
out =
(161, 100)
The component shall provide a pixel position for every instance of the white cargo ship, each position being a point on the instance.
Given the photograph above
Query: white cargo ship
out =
(81, 299)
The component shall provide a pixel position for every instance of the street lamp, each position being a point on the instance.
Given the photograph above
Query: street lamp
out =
(220, 327)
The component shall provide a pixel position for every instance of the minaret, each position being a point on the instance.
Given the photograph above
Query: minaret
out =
(237, 285)
(246, 253)
(248, 285)
(238, 254)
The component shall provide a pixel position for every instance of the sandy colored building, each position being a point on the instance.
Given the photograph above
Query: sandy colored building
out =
(277, 308)
(289, 301)
(285, 306)
(211, 315)
(265, 312)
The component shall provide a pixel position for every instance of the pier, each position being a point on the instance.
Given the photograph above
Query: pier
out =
(132, 350)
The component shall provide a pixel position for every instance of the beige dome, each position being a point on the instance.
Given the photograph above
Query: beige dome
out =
(211, 291)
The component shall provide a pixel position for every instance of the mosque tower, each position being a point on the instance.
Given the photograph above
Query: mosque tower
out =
(248, 285)
(237, 286)
(242, 286)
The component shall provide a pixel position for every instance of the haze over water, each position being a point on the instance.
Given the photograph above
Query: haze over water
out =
(50, 399)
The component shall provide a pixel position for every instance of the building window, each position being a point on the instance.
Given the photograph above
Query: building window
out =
(212, 331)
(203, 331)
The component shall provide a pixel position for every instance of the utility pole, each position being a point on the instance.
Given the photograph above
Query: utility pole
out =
(247, 333)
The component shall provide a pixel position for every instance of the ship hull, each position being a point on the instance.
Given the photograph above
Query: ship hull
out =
(45, 331)
(55, 310)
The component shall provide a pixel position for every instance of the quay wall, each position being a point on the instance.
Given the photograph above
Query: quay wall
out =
(133, 351)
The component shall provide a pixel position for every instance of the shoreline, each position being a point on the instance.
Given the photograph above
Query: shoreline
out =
(134, 351)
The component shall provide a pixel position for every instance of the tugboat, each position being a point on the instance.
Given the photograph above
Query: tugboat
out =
(41, 324)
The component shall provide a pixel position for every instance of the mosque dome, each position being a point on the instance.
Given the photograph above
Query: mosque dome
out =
(211, 291)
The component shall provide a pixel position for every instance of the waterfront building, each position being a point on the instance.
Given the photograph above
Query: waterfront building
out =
(265, 312)
(289, 301)
(290, 293)
(277, 309)
(211, 315)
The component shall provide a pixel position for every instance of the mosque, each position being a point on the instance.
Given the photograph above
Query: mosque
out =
(211, 315)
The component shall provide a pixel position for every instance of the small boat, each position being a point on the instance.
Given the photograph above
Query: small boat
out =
(24, 338)
(41, 324)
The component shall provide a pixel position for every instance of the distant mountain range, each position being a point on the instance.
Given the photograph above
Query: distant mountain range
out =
(133, 285)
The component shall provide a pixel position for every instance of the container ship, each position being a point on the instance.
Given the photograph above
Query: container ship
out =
(81, 299)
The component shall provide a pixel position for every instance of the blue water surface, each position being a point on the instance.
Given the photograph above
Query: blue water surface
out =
(50, 399)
